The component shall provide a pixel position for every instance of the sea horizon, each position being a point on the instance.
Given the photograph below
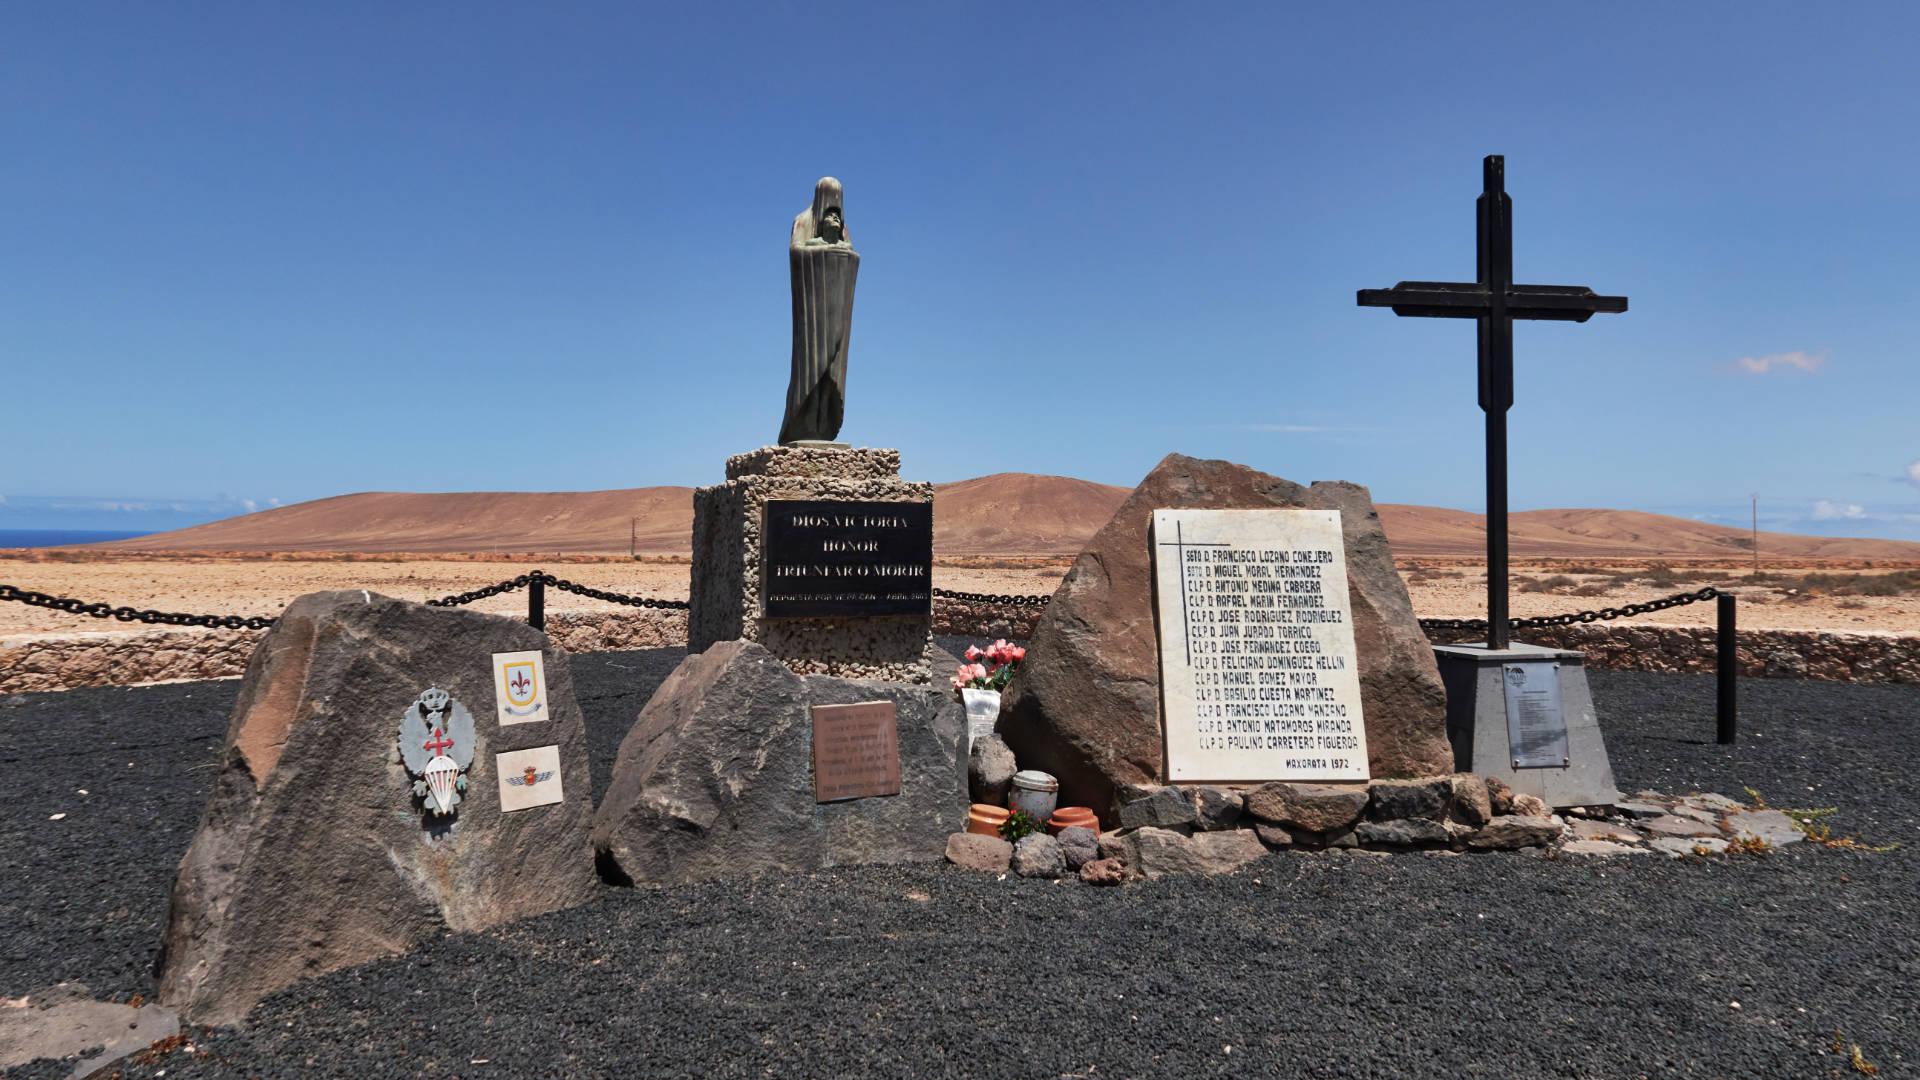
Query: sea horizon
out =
(35, 538)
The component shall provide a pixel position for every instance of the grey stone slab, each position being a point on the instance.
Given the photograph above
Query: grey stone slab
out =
(1772, 826)
(1602, 848)
(1603, 830)
(1679, 847)
(1672, 825)
(64, 1021)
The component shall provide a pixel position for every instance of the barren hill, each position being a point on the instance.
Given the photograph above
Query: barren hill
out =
(1003, 514)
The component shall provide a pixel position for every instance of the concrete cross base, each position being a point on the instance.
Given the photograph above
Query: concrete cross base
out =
(1477, 723)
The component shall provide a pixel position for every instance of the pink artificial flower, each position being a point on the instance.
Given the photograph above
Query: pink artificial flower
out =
(974, 653)
(1016, 653)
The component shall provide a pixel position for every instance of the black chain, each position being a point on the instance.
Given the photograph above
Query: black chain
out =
(613, 597)
(545, 578)
(1665, 602)
(127, 614)
(985, 598)
(485, 591)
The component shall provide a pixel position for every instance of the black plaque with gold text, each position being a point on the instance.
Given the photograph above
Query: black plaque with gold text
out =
(835, 559)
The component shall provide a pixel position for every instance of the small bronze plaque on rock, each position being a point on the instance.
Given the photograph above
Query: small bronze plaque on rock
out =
(856, 751)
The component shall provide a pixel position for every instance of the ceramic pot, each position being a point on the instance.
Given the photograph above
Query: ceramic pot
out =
(1035, 792)
(985, 818)
(1068, 817)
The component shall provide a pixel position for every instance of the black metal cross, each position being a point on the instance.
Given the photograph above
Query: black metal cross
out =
(1495, 301)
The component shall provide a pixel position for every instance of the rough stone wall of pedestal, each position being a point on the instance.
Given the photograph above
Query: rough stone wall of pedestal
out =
(727, 559)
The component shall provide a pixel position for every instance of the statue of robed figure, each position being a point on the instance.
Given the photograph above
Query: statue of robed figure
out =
(821, 256)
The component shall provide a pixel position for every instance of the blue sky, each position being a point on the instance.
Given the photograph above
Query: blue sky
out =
(268, 253)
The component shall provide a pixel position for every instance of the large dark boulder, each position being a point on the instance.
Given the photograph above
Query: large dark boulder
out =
(1085, 705)
(314, 852)
(716, 777)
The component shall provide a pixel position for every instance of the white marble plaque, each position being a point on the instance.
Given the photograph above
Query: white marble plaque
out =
(519, 687)
(1259, 678)
(528, 778)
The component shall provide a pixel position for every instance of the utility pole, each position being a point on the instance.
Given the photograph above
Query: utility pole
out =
(633, 532)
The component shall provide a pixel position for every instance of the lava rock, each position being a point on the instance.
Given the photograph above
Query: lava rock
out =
(1317, 808)
(314, 853)
(1165, 808)
(716, 776)
(1403, 832)
(1499, 795)
(1526, 805)
(1118, 846)
(1080, 846)
(1274, 836)
(1085, 704)
(1039, 855)
(1103, 872)
(1215, 808)
(990, 769)
(1392, 800)
(1163, 851)
(976, 852)
(1469, 803)
(1515, 831)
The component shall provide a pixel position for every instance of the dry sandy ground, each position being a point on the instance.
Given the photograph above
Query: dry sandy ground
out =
(265, 586)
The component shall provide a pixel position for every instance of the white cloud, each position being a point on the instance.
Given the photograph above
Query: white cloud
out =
(249, 505)
(273, 502)
(1827, 510)
(1798, 359)
(1913, 475)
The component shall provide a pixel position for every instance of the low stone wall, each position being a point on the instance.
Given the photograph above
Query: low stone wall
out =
(35, 662)
(1856, 656)
(966, 618)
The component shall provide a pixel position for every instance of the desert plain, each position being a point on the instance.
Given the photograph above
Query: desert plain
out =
(1010, 533)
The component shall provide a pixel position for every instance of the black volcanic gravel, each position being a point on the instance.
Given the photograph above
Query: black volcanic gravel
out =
(1334, 965)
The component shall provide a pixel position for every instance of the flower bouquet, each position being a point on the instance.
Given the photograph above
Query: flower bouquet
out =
(979, 685)
(1001, 659)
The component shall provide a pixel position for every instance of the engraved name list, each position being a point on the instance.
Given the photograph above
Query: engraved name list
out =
(1258, 672)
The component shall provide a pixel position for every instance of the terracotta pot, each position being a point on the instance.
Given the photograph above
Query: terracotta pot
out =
(1069, 816)
(985, 818)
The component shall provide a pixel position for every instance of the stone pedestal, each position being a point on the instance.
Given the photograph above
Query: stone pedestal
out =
(1477, 723)
(728, 560)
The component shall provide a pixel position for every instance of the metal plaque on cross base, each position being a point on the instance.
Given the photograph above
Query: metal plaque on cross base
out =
(1537, 731)
(1536, 714)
